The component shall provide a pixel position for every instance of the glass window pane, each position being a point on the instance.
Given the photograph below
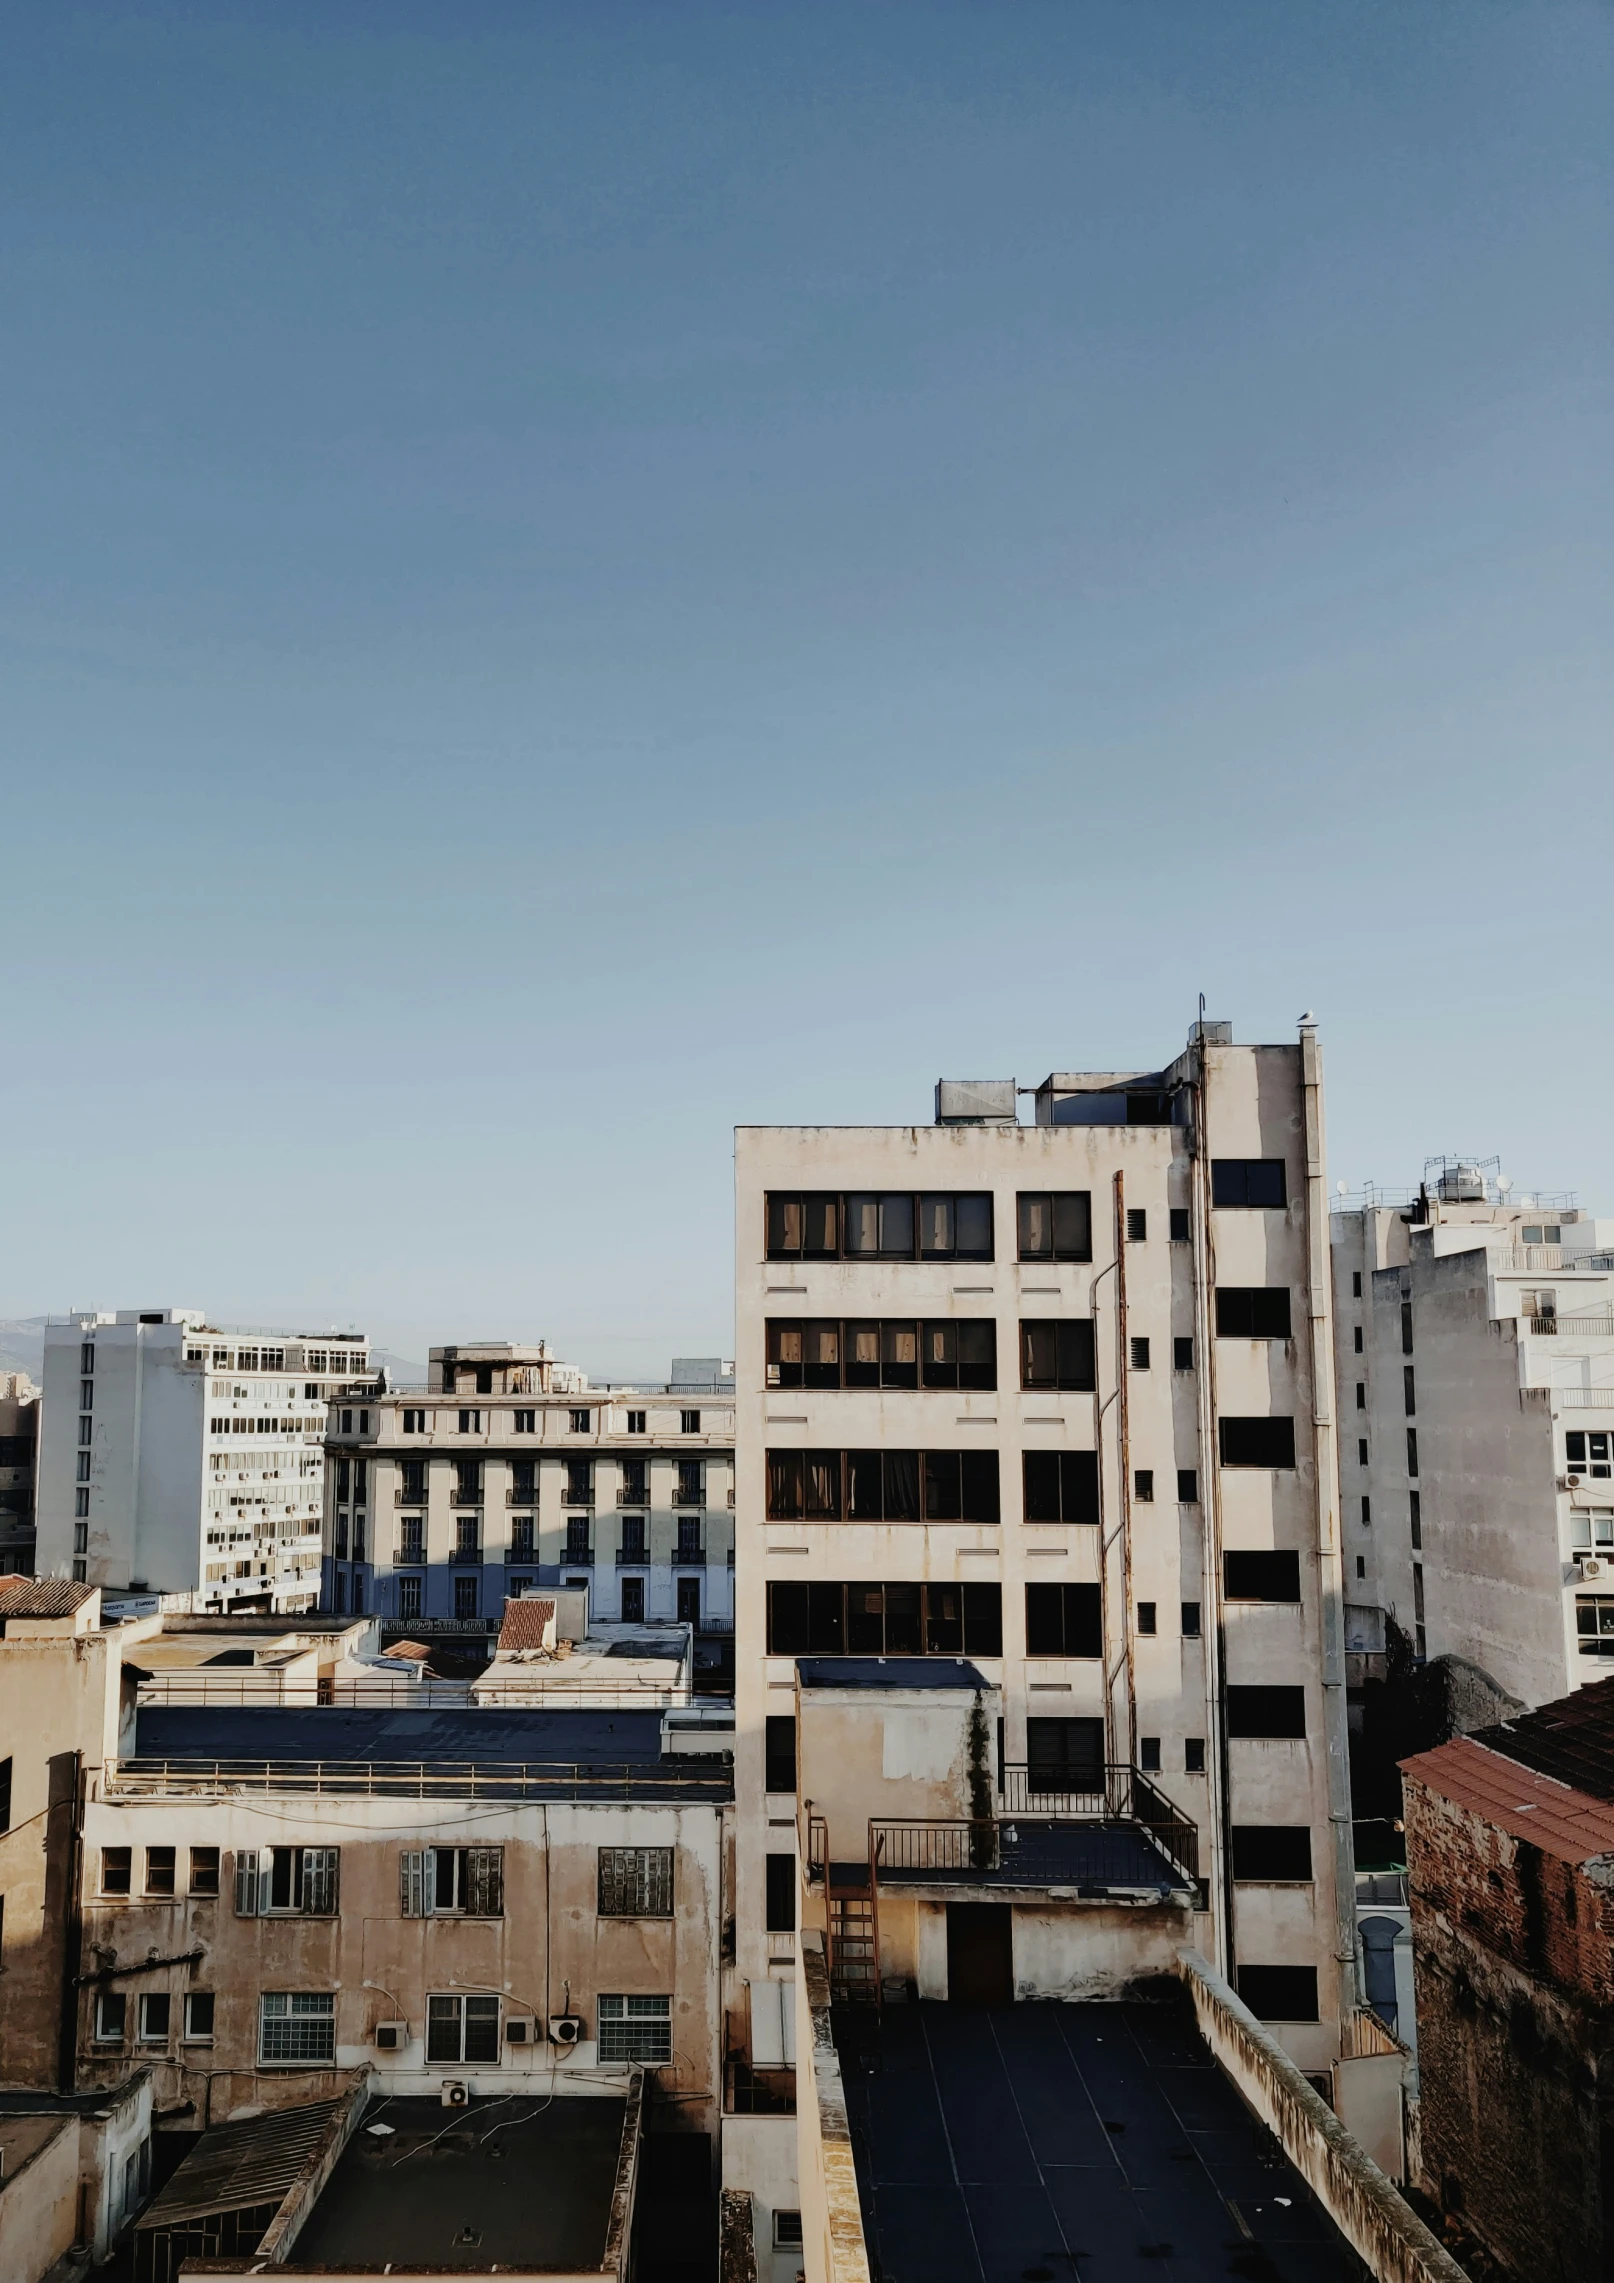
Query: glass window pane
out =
(826, 1620)
(936, 1227)
(899, 1355)
(784, 1226)
(784, 1486)
(979, 1499)
(824, 1485)
(973, 1226)
(823, 1355)
(1075, 1354)
(1580, 1532)
(1042, 1486)
(822, 1217)
(1073, 1225)
(896, 1227)
(865, 1621)
(901, 1472)
(978, 1354)
(784, 1354)
(1036, 1227)
(1039, 1354)
(862, 1225)
(939, 1347)
(902, 1621)
(1078, 1485)
(1585, 1617)
(941, 1486)
(983, 1620)
(944, 1620)
(862, 1355)
(864, 1497)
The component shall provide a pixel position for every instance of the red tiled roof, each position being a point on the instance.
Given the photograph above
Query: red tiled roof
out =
(42, 1596)
(1518, 1800)
(525, 1622)
(416, 1649)
(1572, 1739)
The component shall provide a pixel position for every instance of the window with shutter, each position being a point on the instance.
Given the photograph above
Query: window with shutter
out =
(485, 1882)
(412, 1883)
(636, 1882)
(319, 1882)
(246, 1882)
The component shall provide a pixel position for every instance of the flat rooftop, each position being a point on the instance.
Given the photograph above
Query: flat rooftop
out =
(1067, 2144)
(537, 1754)
(1092, 1860)
(502, 2183)
(890, 1672)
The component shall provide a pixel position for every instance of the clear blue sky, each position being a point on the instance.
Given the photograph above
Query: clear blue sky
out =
(571, 576)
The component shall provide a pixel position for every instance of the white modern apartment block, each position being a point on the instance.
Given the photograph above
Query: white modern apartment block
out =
(508, 1471)
(1475, 1362)
(1039, 1654)
(178, 1457)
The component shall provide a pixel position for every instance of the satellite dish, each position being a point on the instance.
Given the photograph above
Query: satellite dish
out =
(1504, 1182)
(1340, 1187)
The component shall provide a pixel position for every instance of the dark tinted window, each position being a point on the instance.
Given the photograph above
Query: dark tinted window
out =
(1061, 1486)
(1248, 1181)
(1266, 1711)
(1279, 1993)
(1252, 1312)
(1271, 1851)
(802, 1225)
(1257, 1442)
(1055, 1224)
(879, 1224)
(781, 1894)
(1064, 1755)
(882, 1486)
(954, 1227)
(1179, 1225)
(892, 1620)
(1261, 1577)
(1057, 1353)
(779, 1752)
(1064, 1621)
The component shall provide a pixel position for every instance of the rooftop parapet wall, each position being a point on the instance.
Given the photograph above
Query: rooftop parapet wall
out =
(1375, 2220)
(833, 2248)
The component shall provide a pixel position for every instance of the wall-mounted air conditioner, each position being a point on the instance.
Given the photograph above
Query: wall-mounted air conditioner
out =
(565, 2028)
(520, 2029)
(1592, 1567)
(456, 2093)
(391, 2036)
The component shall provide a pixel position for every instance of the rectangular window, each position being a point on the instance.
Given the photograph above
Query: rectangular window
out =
(414, 1422)
(863, 1620)
(1279, 1993)
(117, 1870)
(1361, 1450)
(1182, 1354)
(1056, 1224)
(1257, 1442)
(198, 2017)
(111, 2017)
(286, 1882)
(1252, 1312)
(889, 1486)
(467, 1595)
(1137, 1225)
(1193, 1755)
(86, 1356)
(1412, 1450)
(1266, 1711)
(1057, 1354)
(296, 2027)
(1415, 1517)
(1143, 1485)
(1261, 1577)
(408, 1591)
(636, 1421)
(1064, 1755)
(1179, 1225)
(470, 1422)
(689, 1422)
(1409, 1394)
(635, 2029)
(204, 1871)
(86, 1394)
(1190, 1620)
(577, 1422)
(155, 2009)
(781, 1894)
(803, 1226)
(691, 1488)
(786, 2231)
(956, 1227)
(1252, 1182)
(461, 2028)
(779, 1752)
(86, 1431)
(1418, 1610)
(1140, 1354)
(524, 1422)
(521, 1547)
(879, 1226)
(159, 1870)
(1588, 1453)
(1356, 1339)
(451, 1882)
(631, 1601)
(1061, 1486)
(1361, 1395)
(1064, 1621)
(1406, 1328)
(1188, 1486)
(636, 1882)
(82, 1473)
(1271, 1851)
(1147, 1617)
(579, 1489)
(1356, 1284)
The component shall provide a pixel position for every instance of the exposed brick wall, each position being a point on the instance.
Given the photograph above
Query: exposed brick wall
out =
(1514, 1965)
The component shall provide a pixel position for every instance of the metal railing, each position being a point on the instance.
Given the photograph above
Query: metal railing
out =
(465, 1497)
(577, 1498)
(1593, 1324)
(634, 1497)
(522, 1550)
(415, 1779)
(411, 1554)
(689, 1498)
(408, 1497)
(1526, 1257)
(582, 1555)
(633, 1558)
(522, 1497)
(688, 1557)
(933, 1845)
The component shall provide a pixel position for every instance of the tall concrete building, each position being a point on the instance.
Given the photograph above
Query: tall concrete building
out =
(1475, 1361)
(176, 1457)
(19, 1450)
(1039, 1653)
(509, 1471)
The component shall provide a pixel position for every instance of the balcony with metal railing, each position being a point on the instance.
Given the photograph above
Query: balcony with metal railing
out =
(633, 1494)
(410, 1495)
(689, 1498)
(466, 1497)
(571, 1496)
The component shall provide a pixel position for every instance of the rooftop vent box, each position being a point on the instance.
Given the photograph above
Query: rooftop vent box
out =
(975, 1102)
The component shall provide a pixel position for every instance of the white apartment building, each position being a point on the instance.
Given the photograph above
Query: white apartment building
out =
(1475, 1363)
(180, 1457)
(1039, 1650)
(19, 1448)
(508, 1471)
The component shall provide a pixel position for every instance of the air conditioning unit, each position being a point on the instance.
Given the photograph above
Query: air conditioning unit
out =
(456, 2093)
(1592, 1568)
(565, 2028)
(518, 2029)
(391, 2036)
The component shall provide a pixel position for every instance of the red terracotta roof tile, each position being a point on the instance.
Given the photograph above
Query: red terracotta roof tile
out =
(1519, 1800)
(525, 1622)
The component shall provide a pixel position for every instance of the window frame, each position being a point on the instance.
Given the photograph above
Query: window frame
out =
(1232, 1179)
(1070, 1484)
(631, 2019)
(188, 2033)
(822, 1222)
(824, 1485)
(815, 1618)
(1073, 1245)
(636, 1882)
(317, 2008)
(1075, 1355)
(463, 2008)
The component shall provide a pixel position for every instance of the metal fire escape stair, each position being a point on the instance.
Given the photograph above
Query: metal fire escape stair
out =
(854, 1937)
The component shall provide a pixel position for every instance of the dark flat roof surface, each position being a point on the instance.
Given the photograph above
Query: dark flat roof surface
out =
(889, 1672)
(342, 1732)
(1061, 2142)
(530, 2180)
(1571, 1739)
(1089, 1855)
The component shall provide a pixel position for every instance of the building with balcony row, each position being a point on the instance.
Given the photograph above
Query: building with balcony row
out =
(508, 1472)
